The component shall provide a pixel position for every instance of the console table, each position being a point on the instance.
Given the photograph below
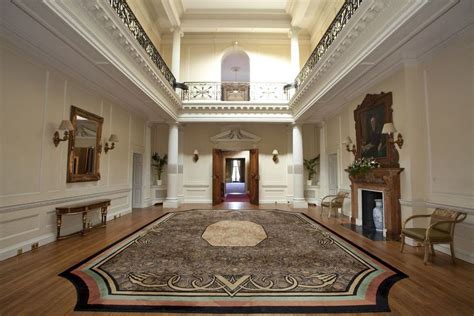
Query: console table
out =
(82, 208)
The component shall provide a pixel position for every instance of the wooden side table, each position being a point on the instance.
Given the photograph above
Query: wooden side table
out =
(82, 208)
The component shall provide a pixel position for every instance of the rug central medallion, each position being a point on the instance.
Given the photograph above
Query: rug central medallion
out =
(227, 261)
(234, 234)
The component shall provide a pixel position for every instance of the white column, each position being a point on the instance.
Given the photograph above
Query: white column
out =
(298, 177)
(180, 165)
(289, 161)
(172, 188)
(176, 54)
(295, 53)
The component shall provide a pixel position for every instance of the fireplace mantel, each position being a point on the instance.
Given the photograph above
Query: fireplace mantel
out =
(386, 180)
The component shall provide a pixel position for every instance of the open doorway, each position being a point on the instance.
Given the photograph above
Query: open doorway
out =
(235, 176)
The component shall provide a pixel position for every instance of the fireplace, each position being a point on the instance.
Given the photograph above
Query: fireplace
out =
(379, 181)
(367, 205)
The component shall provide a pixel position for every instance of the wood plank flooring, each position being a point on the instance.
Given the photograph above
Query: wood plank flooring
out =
(30, 285)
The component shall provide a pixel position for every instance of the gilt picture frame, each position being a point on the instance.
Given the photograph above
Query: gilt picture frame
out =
(370, 116)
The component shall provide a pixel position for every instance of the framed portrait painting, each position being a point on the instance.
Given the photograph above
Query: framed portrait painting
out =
(370, 117)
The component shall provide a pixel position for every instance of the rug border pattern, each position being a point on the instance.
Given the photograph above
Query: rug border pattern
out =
(383, 288)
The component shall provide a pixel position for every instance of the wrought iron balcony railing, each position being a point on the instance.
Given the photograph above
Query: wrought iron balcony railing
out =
(235, 91)
(126, 15)
(345, 13)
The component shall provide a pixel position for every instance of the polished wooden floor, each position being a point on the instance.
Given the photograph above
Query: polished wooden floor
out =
(30, 285)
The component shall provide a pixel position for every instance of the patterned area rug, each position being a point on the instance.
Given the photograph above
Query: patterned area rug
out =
(246, 261)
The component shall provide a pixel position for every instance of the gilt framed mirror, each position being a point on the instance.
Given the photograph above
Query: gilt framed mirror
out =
(84, 146)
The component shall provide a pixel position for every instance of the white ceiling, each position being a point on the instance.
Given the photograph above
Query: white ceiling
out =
(235, 4)
(312, 17)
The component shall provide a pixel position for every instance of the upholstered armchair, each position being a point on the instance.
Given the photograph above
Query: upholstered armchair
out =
(333, 202)
(440, 230)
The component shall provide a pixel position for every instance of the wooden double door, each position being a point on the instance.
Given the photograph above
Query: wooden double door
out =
(218, 180)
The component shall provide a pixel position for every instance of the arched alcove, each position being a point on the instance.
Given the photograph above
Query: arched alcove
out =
(235, 66)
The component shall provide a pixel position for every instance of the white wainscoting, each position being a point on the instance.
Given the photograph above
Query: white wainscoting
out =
(197, 193)
(24, 224)
(312, 194)
(273, 193)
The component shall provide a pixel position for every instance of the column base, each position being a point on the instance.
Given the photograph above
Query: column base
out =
(171, 203)
(300, 203)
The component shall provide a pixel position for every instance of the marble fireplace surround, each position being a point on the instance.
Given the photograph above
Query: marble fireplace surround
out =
(387, 181)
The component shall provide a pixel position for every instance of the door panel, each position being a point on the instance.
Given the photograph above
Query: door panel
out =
(254, 177)
(137, 180)
(332, 173)
(217, 176)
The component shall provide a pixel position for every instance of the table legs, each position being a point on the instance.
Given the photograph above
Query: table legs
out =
(103, 213)
(59, 221)
(84, 222)
(85, 228)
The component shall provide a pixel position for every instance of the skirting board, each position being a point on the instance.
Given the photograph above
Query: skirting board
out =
(25, 246)
(273, 201)
(119, 213)
(197, 201)
(460, 254)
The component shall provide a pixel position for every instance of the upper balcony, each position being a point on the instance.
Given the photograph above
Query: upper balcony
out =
(365, 39)
(272, 92)
(231, 100)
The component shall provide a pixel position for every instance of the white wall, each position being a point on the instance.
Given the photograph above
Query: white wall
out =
(433, 109)
(201, 55)
(34, 100)
(274, 178)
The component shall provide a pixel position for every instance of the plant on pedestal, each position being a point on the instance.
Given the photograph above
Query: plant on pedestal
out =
(158, 163)
(310, 166)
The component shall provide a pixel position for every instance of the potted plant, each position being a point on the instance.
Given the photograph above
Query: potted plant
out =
(310, 166)
(159, 162)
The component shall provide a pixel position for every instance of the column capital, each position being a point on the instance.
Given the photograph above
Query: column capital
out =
(149, 123)
(173, 123)
(177, 29)
(294, 30)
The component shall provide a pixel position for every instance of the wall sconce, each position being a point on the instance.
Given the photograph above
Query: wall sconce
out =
(195, 155)
(65, 126)
(389, 128)
(348, 143)
(275, 155)
(113, 139)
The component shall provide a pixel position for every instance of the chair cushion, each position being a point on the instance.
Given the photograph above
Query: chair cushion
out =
(328, 204)
(420, 233)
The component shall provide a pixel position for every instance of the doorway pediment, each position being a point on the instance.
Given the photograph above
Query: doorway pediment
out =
(235, 139)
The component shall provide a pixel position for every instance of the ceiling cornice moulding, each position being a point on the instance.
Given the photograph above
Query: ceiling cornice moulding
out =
(100, 26)
(362, 44)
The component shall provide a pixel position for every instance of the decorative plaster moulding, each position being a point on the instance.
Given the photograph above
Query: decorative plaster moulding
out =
(100, 26)
(362, 44)
(228, 111)
(235, 135)
(36, 204)
(276, 107)
(377, 29)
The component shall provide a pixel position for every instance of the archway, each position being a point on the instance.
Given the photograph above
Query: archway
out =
(235, 75)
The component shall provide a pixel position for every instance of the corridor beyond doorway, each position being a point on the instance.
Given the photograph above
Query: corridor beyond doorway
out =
(235, 188)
